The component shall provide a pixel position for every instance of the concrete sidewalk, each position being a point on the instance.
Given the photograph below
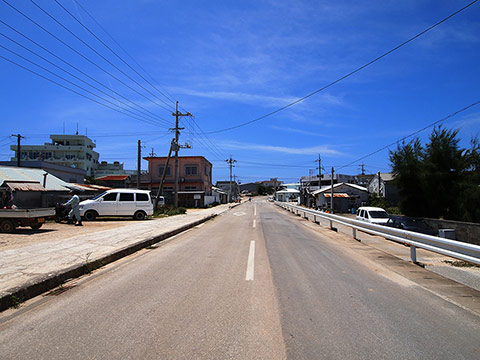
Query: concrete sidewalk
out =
(31, 270)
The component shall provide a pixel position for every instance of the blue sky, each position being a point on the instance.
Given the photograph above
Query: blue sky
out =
(231, 62)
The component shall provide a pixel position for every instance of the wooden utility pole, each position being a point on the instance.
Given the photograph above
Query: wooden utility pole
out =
(19, 154)
(165, 168)
(379, 183)
(319, 171)
(331, 190)
(231, 163)
(139, 162)
(176, 148)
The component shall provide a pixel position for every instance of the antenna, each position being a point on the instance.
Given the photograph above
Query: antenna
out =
(77, 129)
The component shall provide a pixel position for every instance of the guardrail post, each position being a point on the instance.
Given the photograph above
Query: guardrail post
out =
(413, 254)
(331, 224)
(354, 234)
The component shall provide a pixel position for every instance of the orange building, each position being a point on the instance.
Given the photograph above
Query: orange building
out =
(194, 177)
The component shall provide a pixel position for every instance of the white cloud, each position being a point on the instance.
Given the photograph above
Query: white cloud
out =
(256, 99)
(314, 150)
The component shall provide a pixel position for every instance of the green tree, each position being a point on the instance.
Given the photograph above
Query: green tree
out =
(445, 166)
(438, 180)
(469, 209)
(408, 169)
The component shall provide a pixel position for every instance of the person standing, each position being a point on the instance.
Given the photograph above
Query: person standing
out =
(75, 211)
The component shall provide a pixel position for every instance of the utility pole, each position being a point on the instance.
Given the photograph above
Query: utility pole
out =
(176, 148)
(139, 164)
(18, 136)
(379, 183)
(319, 171)
(231, 163)
(331, 191)
(363, 168)
(152, 154)
(165, 168)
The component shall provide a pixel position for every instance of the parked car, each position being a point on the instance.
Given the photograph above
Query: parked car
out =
(374, 215)
(118, 202)
(411, 224)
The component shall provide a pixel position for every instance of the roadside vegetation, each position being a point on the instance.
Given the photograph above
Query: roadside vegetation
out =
(169, 211)
(439, 179)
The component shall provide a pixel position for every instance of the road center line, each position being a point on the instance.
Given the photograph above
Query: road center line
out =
(255, 211)
(250, 264)
(254, 223)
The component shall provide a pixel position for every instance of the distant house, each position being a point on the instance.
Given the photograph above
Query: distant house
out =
(346, 197)
(194, 181)
(387, 188)
(225, 186)
(248, 188)
(218, 195)
(289, 192)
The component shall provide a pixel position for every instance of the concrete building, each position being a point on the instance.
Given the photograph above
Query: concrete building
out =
(225, 186)
(194, 179)
(346, 197)
(75, 151)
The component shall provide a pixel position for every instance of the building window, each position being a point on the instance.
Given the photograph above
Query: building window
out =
(190, 188)
(190, 170)
(161, 169)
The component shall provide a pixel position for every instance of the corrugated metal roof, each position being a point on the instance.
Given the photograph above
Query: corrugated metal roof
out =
(288, 191)
(11, 173)
(88, 187)
(113, 178)
(25, 186)
(327, 188)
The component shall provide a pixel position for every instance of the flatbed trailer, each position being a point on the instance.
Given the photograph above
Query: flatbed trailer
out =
(10, 219)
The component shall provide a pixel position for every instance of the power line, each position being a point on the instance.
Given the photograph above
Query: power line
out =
(74, 76)
(81, 55)
(77, 69)
(169, 97)
(412, 134)
(96, 52)
(347, 75)
(74, 91)
(78, 86)
(118, 56)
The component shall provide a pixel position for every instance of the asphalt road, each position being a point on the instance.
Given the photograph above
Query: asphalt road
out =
(256, 283)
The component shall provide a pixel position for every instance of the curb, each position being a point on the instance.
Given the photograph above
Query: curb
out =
(35, 287)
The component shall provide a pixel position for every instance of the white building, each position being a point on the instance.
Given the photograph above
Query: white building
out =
(289, 192)
(69, 150)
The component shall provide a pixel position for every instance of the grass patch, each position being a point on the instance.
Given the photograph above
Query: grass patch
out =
(15, 302)
(169, 211)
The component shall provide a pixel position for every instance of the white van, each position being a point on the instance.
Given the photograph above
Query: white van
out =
(118, 202)
(374, 215)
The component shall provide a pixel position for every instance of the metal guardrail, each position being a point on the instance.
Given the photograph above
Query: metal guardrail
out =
(455, 249)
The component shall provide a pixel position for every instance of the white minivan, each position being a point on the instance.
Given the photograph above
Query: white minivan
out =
(374, 215)
(118, 202)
